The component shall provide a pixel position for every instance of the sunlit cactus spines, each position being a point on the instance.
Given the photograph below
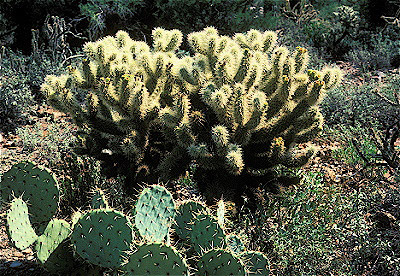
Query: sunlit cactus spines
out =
(224, 106)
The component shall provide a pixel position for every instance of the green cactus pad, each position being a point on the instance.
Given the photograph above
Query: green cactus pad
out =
(37, 186)
(235, 244)
(156, 259)
(19, 227)
(53, 250)
(220, 262)
(102, 237)
(154, 213)
(99, 200)
(206, 233)
(185, 214)
(255, 263)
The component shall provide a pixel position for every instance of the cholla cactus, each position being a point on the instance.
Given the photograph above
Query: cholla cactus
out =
(125, 83)
(261, 100)
(239, 104)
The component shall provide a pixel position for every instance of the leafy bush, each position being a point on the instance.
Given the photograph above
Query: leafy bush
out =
(99, 11)
(352, 137)
(379, 255)
(379, 53)
(228, 16)
(47, 141)
(335, 32)
(354, 103)
(314, 228)
(20, 80)
(15, 95)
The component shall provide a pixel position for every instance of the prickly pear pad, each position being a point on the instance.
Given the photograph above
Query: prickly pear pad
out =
(156, 259)
(206, 233)
(37, 186)
(220, 262)
(19, 227)
(255, 263)
(186, 212)
(102, 237)
(52, 251)
(235, 244)
(154, 213)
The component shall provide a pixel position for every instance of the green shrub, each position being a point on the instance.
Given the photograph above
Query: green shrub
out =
(334, 32)
(351, 138)
(378, 53)
(228, 16)
(379, 255)
(47, 141)
(314, 228)
(354, 103)
(99, 11)
(15, 96)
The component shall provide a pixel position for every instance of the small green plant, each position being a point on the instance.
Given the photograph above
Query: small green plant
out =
(16, 98)
(372, 103)
(379, 53)
(307, 229)
(356, 140)
(99, 11)
(49, 141)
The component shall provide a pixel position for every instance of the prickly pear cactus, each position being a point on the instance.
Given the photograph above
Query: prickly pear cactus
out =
(37, 186)
(235, 244)
(154, 213)
(19, 227)
(156, 259)
(220, 262)
(185, 214)
(102, 237)
(75, 218)
(256, 263)
(99, 200)
(52, 247)
(205, 233)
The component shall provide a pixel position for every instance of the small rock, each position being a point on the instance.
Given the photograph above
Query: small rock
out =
(15, 264)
